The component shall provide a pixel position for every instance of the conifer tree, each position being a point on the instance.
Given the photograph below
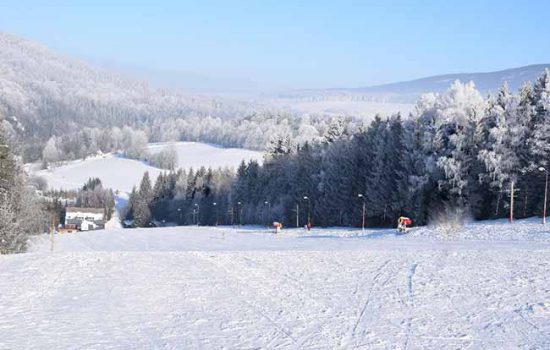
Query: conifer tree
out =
(142, 202)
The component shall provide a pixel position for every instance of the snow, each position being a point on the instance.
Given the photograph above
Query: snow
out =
(334, 107)
(122, 174)
(225, 287)
(114, 172)
(197, 154)
(492, 230)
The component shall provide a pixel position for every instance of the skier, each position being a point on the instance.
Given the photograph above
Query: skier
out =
(402, 223)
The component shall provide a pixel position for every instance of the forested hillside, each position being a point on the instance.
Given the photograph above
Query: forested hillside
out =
(44, 94)
(21, 214)
(459, 155)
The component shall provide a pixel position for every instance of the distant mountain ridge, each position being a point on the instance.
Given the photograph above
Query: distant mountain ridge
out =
(409, 91)
(485, 81)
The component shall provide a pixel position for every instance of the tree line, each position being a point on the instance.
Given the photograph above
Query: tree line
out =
(21, 212)
(126, 142)
(182, 197)
(457, 152)
(27, 208)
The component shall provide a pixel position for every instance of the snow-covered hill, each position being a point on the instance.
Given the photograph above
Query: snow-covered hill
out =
(203, 287)
(45, 93)
(114, 172)
(405, 93)
(485, 81)
(196, 154)
(398, 97)
(122, 174)
(33, 74)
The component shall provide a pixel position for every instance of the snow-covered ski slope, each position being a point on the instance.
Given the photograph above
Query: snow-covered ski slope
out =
(486, 287)
(122, 174)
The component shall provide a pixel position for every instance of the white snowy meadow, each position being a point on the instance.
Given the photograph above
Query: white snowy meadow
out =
(120, 173)
(484, 287)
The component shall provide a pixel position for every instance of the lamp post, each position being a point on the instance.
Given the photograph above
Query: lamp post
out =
(268, 212)
(363, 213)
(198, 213)
(512, 195)
(545, 194)
(179, 216)
(306, 198)
(216, 206)
(240, 208)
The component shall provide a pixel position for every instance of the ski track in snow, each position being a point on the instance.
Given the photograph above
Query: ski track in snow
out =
(410, 291)
(218, 288)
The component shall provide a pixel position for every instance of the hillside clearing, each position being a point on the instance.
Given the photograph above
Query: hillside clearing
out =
(122, 174)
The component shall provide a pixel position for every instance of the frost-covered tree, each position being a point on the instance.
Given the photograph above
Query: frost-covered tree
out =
(540, 140)
(336, 130)
(141, 202)
(93, 195)
(12, 237)
(134, 143)
(51, 154)
(500, 155)
(453, 134)
(167, 158)
(20, 212)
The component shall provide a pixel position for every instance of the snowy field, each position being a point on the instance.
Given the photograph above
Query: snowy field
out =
(332, 107)
(487, 287)
(196, 154)
(114, 172)
(121, 173)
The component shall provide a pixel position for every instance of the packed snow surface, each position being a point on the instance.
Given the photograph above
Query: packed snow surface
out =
(122, 174)
(224, 287)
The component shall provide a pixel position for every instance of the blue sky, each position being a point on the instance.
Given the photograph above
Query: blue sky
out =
(292, 44)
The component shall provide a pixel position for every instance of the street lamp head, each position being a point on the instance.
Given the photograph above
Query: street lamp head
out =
(360, 195)
(266, 202)
(239, 203)
(542, 168)
(214, 203)
(306, 197)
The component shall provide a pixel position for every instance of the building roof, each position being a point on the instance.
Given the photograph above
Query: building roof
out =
(85, 210)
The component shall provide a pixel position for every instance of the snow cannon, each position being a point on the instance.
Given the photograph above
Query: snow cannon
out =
(402, 224)
(277, 226)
